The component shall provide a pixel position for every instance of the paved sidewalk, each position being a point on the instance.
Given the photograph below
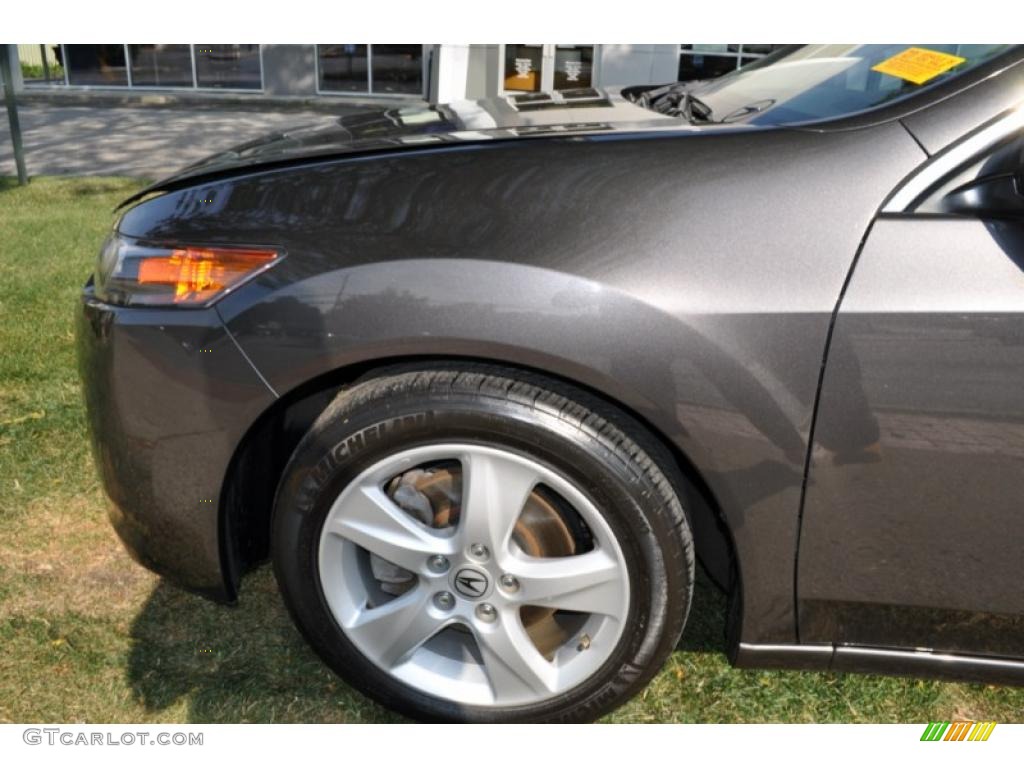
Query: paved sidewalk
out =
(144, 142)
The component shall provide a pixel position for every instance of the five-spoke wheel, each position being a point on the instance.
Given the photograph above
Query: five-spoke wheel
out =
(489, 590)
(462, 544)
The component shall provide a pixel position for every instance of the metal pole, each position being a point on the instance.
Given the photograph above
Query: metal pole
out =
(46, 67)
(12, 112)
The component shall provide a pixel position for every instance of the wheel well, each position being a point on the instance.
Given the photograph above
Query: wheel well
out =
(259, 461)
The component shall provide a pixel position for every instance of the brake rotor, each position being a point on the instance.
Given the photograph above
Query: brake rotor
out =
(434, 495)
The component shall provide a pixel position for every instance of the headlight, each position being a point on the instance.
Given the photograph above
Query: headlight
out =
(136, 274)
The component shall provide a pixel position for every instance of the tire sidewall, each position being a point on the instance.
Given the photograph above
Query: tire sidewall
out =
(345, 442)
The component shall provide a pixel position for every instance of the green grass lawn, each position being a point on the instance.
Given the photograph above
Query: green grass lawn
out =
(87, 635)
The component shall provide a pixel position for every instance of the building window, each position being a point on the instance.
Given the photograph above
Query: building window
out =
(378, 69)
(96, 64)
(397, 68)
(161, 66)
(228, 66)
(530, 68)
(41, 64)
(344, 67)
(703, 61)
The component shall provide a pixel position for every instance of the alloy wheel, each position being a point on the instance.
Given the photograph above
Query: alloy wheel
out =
(474, 574)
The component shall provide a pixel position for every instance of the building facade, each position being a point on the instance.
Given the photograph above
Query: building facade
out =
(364, 71)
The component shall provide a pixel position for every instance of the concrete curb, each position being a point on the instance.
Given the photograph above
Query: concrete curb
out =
(96, 97)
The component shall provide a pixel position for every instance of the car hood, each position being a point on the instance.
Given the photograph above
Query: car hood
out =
(418, 126)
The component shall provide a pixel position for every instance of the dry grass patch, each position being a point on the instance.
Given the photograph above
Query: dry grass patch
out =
(69, 559)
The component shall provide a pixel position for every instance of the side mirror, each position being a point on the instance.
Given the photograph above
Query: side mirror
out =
(992, 197)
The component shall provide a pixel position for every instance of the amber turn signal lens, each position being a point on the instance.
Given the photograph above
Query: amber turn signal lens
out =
(199, 274)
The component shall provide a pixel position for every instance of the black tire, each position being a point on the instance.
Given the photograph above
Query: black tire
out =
(603, 451)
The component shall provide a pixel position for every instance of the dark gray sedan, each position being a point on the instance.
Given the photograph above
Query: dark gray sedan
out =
(485, 380)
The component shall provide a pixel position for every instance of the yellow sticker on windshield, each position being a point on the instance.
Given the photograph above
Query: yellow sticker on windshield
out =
(918, 65)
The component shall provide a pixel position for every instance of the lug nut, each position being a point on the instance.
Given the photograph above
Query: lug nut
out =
(479, 551)
(438, 563)
(486, 612)
(444, 600)
(509, 583)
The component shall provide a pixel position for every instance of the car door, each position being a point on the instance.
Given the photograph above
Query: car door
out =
(913, 523)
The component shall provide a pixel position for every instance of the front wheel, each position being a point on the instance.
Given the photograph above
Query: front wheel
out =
(466, 544)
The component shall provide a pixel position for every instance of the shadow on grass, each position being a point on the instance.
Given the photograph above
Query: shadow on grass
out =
(235, 664)
(77, 186)
(248, 663)
(705, 628)
(90, 187)
(9, 183)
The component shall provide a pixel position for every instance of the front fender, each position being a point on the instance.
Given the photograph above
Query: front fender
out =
(706, 383)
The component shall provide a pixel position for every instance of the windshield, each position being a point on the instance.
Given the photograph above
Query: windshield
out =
(815, 82)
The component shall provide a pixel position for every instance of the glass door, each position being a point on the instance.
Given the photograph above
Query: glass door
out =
(524, 68)
(573, 66)
(536, 67)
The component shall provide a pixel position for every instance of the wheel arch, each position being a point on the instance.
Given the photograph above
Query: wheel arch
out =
(246, 506)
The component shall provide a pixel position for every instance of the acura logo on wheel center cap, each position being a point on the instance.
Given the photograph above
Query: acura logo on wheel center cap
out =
(471, 583)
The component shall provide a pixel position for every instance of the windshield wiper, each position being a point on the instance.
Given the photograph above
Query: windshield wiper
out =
(677, 100)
